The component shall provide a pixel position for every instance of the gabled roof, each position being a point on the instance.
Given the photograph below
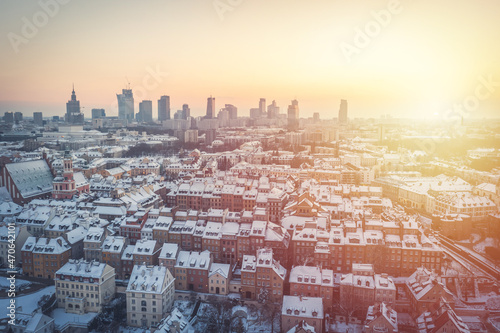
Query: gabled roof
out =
(31, 178)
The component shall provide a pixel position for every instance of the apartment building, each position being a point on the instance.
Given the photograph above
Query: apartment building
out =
(83, 286)
(42, 257)
(362, 288)
(92, 243)
(112, 251)
(310, 281)
(146, 252)
(218, 279)
(150, 295)
(262, 277)
(296, 309)
(192, 270)
(425, 291)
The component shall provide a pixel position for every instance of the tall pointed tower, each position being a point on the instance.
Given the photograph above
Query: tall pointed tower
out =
(64, 186)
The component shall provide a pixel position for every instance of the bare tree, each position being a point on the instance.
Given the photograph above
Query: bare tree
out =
(466, 282)
(269, 308)
(349, 303)
(219, 314)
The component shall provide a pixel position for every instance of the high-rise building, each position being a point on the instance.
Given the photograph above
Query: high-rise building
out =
(233, 111)
(126, 105)
(343, 112)
(38, 118)
(73, 114)
(18, 116)
(293, 115)
(273, 110)
(145, 113)
(262, 107)
(254, 113)
(316, 117)
(98, 113)
(8, 117)
(186, 111)
(210, 107)
(223, 117)
(164, 108)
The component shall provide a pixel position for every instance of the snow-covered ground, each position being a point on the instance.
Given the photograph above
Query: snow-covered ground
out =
(184, 306)
(474, 238)
(252, 318)
(342, 327)
(4, 283)
(61, 318)
(28, 303)
(127, 329)
(479, 247)
(495, 321)
(493, 303)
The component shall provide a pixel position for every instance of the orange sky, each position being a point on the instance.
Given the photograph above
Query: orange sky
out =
(423, 59)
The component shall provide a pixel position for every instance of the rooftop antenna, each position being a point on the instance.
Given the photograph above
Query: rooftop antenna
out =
(128, 83)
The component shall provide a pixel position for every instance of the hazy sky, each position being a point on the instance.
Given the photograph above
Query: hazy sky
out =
(419, 61)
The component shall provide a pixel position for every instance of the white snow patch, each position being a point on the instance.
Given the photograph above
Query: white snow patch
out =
(4, 283)
(61, 317)
(479, 247)
(28, 303)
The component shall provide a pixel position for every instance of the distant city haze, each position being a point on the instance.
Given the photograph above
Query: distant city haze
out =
(421, 62)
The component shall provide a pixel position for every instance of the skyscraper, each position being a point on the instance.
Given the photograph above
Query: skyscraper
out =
(18, 116)
(262, 107)
(98, 113)
(254, 113)
(233, 111)
(316, 117)
(38, 118)
(145, 113)
(273, 110)
(8, 117)
(164, 108)
(73, 114)
(343, 112)
(186, 111)
(293, 116)
(223, 117)
(126, 105)
(210, 107)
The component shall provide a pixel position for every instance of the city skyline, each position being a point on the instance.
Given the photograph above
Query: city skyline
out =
(407, 69)
(250, 166)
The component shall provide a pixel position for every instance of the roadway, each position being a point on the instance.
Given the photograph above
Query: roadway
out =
(476, 261)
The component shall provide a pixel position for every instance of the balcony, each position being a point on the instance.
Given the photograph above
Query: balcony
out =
(75, 305)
